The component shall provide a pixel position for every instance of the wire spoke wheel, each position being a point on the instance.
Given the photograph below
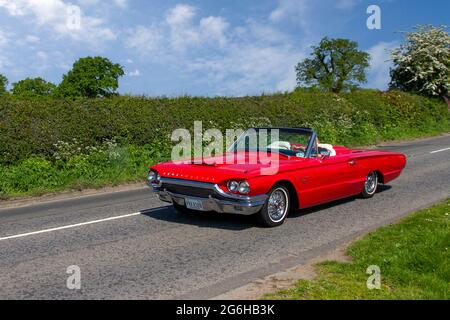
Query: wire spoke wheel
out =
(370, 185)
(278, 205)
(276, 208)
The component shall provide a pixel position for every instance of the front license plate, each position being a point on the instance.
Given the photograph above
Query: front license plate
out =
(194, 204)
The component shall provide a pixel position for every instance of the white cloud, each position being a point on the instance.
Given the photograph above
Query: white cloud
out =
(41, 55)
(379, 71)
(4, 38)
(251, 58)
(5, 54)
(13, 8)
(57, 14)
(4, 62)
(182, 34)
(346, 4)
(121, 3)
(43, 61)
(31, 39)
(135, 73)
(300, 13)
(261, 34)
(178, 32)
(296, 9)
(246, 69)
(145, 40)
(180, 15)
(213, 29)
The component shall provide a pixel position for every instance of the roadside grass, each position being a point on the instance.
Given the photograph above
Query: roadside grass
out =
(413, 256)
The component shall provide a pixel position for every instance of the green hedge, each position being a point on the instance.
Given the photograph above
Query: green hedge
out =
(37, 175)
(53, 144)
(33, 127)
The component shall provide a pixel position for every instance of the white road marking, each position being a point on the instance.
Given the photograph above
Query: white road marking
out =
(442, 150)
(69, 226)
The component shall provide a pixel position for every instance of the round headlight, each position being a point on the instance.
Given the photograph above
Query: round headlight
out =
(233, 186)
(151, 176)
(244, 187)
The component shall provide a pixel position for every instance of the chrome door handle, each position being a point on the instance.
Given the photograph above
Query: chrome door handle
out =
(353, 162)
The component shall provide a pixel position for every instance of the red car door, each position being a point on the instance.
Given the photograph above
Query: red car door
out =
(325, 180)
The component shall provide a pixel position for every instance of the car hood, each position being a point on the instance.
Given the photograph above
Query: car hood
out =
(220, 168)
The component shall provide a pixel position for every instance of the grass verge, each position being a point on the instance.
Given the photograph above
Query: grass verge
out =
(413, 257)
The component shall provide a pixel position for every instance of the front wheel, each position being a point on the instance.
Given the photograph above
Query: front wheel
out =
(370, 185)
(276, 209)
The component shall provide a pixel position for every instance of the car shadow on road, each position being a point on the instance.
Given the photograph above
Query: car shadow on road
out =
(229, 221)
(202, 219)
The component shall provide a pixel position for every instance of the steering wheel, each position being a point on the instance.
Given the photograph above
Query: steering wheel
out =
(299, 150)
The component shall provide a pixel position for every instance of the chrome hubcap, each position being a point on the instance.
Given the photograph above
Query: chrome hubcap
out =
(371, 183)
(278, 205)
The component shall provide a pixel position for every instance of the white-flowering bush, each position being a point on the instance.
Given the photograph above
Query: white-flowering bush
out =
(68, 150)
(422, 63)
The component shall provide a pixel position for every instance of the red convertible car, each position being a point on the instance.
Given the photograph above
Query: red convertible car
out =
(302, 173)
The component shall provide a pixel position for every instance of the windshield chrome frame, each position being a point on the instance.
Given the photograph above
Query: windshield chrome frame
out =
(309, 149)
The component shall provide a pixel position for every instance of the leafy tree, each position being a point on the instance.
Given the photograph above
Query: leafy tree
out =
(3, 84)
(36, 87)
(91, 77)
(335, 65)
(422, 63)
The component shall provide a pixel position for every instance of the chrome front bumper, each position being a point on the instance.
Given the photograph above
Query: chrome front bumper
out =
(219, 201)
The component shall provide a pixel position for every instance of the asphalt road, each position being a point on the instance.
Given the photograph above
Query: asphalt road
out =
(148, 251)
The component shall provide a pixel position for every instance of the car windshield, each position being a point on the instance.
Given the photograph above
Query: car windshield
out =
(290, 142)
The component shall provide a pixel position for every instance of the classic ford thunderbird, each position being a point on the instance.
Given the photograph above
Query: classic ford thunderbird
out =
(289, 172)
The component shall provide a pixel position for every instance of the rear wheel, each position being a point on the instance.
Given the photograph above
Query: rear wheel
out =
(277, 207)
(370, 185)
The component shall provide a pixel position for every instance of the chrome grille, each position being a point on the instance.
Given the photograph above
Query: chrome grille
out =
(188, 191)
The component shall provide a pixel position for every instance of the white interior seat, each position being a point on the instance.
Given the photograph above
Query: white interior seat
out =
(282, 145)
(329, 147)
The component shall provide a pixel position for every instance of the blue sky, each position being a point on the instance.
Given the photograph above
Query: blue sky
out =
(233, 47)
